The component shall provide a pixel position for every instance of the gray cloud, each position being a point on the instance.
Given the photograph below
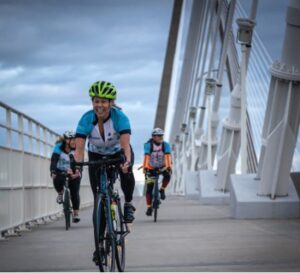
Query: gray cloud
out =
(52, 51)
(52, 32)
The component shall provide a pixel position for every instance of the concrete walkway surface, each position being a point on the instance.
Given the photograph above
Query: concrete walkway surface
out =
(187, 237)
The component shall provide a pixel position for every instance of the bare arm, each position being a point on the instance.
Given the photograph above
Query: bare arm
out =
(125, 145)
(79, 152)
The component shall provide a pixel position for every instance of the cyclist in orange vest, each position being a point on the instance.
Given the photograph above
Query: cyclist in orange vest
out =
(157, 154)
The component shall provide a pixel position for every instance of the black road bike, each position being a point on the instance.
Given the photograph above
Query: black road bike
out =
(156, 196)
(110, 228)
(67, 207)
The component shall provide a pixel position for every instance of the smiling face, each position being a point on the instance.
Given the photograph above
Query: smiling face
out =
(102, 107)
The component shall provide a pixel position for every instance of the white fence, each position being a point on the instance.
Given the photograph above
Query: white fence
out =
(26, 189)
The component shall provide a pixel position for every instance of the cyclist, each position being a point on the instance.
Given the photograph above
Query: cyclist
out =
(60, 163)
(108, 131)
(157, 154)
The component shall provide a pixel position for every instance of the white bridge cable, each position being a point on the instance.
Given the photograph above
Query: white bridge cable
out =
(197, 63)
(200, 58)
(203, 53)
(258, 85)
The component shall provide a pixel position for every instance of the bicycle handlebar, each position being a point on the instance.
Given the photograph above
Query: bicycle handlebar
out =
(104, 161)
(157, 171)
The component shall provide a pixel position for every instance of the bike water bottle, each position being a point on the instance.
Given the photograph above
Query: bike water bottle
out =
(113, 208)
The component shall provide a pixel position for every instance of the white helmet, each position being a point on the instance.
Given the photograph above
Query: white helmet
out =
(157, 132)
(69, 134)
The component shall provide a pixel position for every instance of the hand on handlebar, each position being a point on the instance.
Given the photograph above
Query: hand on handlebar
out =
(125, 167)
(53, 175)
(74, 175)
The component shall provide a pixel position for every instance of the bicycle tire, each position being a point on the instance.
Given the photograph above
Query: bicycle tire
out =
(96, 219)
(110, 254)
(67, 209)
(106, 258)
(155, 201)
(110, 241)
(119, 230)
(155, 214)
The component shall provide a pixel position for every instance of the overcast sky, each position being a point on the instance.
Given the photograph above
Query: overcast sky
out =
(51, 51)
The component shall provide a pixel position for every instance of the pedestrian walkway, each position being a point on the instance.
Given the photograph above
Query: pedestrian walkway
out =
(187, 237)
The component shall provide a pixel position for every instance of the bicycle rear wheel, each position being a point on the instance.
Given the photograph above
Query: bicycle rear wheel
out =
(119, 230)
(67, 209)
(104, 244)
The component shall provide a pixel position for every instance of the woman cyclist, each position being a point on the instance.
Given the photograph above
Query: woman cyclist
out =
(60, 164)
(108, 131)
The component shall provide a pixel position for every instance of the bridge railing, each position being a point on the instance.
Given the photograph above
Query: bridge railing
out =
(27, 194)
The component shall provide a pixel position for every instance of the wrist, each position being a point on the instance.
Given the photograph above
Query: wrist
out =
(128, 163)
(78, 168)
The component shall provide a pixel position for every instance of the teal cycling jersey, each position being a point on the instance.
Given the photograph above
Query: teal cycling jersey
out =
(61, 160)
(116, 125)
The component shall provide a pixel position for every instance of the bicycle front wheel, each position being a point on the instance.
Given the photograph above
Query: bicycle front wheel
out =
(155, 200)
(104, 244)
(109, 261)
(155, 207)
(67, 209)
(119, 230)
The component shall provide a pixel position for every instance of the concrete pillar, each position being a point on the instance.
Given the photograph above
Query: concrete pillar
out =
(212, 140)
(283, 112)
(254, 196)
(182, 162)
(215, 32)
(191, 145)
(230, 142)
(186, 74)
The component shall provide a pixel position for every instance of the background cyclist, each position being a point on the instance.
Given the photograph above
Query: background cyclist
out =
(60, 163)
(157, 154)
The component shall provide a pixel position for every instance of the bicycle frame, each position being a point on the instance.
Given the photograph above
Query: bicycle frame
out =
(156, 197)
(67, 207)
(104, 196)
(106, 192)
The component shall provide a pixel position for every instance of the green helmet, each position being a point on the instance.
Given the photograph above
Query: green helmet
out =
(104, 90)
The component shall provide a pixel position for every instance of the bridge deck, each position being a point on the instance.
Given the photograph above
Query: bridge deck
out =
(187, 237)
